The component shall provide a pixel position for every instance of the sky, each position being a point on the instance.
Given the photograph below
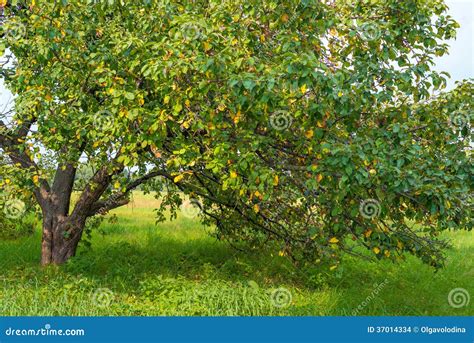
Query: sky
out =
(459, 63)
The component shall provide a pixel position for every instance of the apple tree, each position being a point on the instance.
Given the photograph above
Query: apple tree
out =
(315, 128)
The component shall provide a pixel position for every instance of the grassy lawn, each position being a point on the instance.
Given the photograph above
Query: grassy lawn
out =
(138, 268)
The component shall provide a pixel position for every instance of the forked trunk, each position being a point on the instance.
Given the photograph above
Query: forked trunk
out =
(62, 228)
(61, 236)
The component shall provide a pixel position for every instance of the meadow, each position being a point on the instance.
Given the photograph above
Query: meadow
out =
(135, 267)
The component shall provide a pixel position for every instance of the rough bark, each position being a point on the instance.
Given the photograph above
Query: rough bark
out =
(61, 234)
(60, 238)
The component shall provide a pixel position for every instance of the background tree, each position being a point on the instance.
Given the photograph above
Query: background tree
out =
(311, 127)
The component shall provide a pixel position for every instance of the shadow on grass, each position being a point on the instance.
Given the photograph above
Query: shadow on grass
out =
(168, 270)
(150, 274)
(197, 259)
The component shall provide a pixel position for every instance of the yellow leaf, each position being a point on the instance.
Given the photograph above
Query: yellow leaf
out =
(36, 179)
(262, 38)
(178, 178)
(258, 194)
(187, 103)
(256, 208)
(303, 88)
(372, 171)
(320, 124)
(207, 46)
(387, 253)
(141, 101)
(7, 181)
(166, 100)
(123, 112)
(376, 250)
(367, 233)
(319, 177)
(3, 3)
(281, 253)
(339, 94)
(117, 185)
(334, 240)
(236, 118)
(233, 174)
(332, 267)
(275, 180)
(399, 245)
(309, 134)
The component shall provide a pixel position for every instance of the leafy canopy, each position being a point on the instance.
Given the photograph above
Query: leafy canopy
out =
(310, 127)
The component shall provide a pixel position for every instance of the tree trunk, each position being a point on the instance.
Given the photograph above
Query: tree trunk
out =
(61, 236)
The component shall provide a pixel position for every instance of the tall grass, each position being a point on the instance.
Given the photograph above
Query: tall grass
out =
(138, 268)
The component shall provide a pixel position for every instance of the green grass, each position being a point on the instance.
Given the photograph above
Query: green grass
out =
(176, 268)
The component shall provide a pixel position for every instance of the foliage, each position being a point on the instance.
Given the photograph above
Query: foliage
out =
(305, 125)
(17, 211)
